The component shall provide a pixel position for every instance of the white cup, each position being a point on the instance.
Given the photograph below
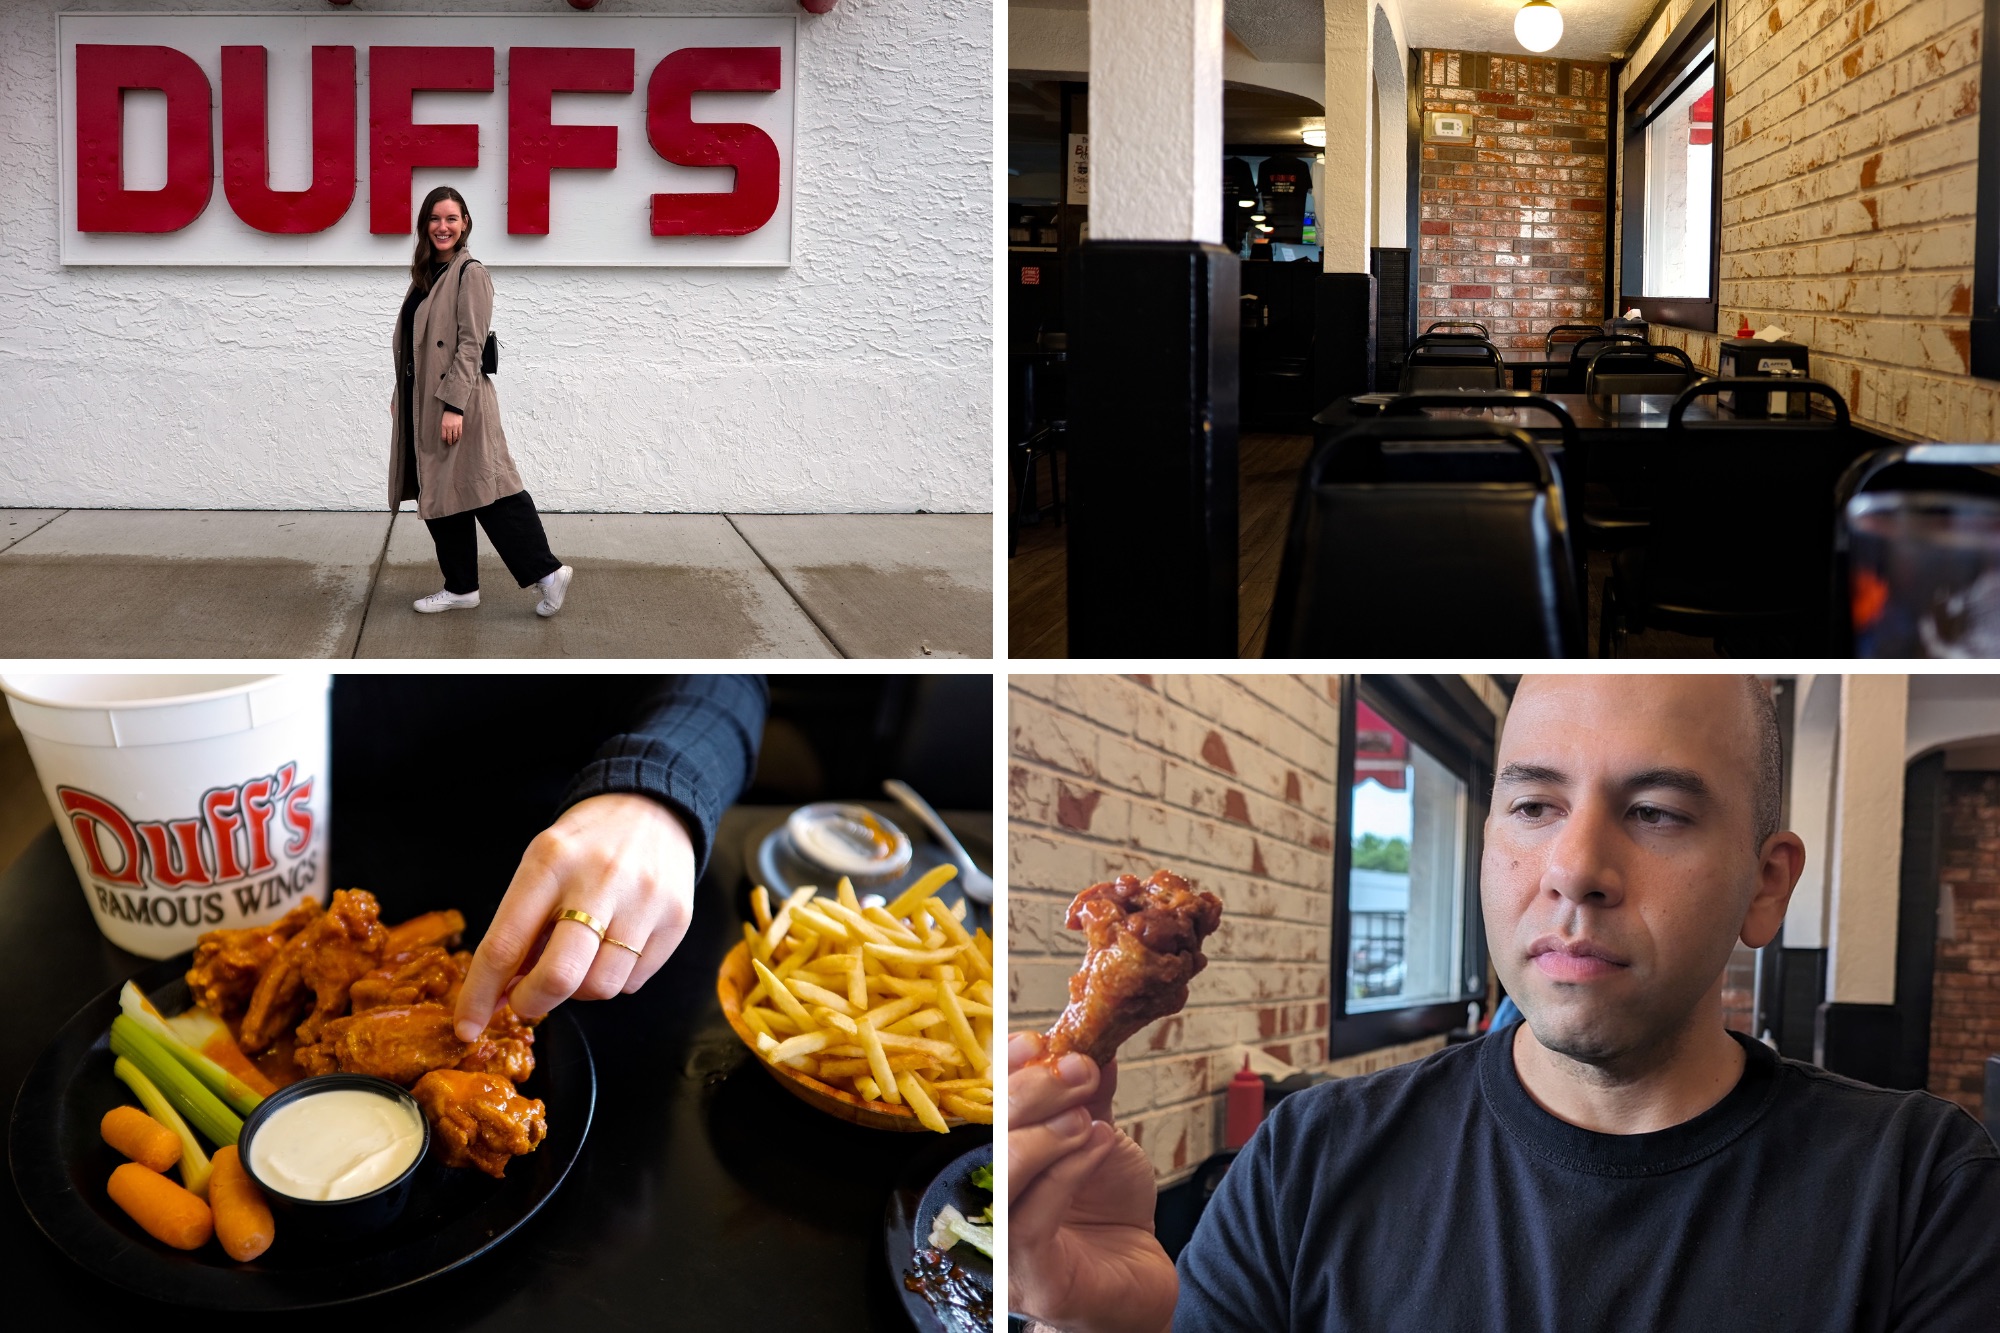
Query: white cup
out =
(188, 803)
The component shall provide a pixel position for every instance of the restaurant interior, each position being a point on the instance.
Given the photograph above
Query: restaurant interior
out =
(1641, 328)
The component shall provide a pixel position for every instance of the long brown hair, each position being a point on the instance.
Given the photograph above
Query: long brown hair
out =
(420, 266)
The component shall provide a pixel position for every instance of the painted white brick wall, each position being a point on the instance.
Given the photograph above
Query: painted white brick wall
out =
(857, 380)
(1850, 153)
(1228, 780)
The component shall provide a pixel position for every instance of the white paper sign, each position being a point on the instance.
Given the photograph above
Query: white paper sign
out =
(1079, 169)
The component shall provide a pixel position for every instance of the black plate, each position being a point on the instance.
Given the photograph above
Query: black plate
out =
(924, 1189)
(60, 1167)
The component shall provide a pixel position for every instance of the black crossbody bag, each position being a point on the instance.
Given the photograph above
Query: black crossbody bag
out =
(489, 355)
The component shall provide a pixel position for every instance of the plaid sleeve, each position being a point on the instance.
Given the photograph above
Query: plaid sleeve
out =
(693, 748)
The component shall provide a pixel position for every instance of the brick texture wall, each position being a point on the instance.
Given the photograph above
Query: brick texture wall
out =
(1512, 225)
(1965, 993)
(1228, 781)
(1850, 153)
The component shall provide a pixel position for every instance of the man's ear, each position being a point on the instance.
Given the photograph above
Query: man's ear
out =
(1778, 870)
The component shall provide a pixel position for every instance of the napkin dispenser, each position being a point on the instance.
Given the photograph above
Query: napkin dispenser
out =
(1755, 356)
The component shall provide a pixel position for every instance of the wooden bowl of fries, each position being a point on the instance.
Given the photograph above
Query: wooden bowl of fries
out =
(928, 986)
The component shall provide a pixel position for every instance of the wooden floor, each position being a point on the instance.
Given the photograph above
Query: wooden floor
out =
(1267, 471)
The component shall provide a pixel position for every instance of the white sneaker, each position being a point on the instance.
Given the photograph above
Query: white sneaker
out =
(446, 601)
(554, 588)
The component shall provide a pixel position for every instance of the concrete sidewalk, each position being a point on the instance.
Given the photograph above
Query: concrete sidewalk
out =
(264, 583)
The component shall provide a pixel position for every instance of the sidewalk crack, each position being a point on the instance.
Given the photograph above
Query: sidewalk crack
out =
(790, 591)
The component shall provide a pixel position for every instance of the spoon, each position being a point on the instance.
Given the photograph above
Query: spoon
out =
(977, 883)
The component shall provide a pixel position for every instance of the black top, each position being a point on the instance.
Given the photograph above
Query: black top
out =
(442, 781)
(1438, 1195)
(1285, 182)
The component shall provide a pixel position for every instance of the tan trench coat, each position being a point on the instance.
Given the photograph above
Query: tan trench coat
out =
(450, 331)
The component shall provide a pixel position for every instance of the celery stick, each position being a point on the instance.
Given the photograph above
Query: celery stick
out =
(194, 1162)
(189, 1095)
(240, 1096)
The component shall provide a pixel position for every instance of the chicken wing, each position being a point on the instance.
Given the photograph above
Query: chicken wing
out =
(412, 977)
(340, 946)
(479, 1119)
(419, 932)
(1142, 947)
(402, 1043)
(227, 963)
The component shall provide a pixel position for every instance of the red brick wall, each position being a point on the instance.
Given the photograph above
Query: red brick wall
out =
(1512, 224)
(1965, 994)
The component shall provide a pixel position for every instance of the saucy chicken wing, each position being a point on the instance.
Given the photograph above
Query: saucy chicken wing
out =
(402, 1043)
(340, 946)
(1142, 947)
(412, 977)
(227, 963)
(420, 932)
(479, 1119)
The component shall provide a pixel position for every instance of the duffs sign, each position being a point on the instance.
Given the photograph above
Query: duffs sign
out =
(308, 140)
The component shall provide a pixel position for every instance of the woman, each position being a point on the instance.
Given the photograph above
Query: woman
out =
(448, 452)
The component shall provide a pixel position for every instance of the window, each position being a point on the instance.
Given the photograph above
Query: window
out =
(1986, 229)
(1672, 172)
(1416, 759)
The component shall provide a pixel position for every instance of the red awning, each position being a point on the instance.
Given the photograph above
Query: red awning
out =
(1380, 751)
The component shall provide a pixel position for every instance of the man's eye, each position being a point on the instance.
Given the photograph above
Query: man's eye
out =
(1652, 814)
(1531, 809)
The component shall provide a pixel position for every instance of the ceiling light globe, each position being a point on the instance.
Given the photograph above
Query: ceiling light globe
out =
(1314, 138)
(1538, 26)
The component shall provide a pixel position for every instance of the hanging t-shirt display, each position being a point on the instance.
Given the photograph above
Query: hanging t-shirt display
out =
(1284, 183)
(1237, 183)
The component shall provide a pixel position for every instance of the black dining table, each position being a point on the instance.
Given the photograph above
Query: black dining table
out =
(705, 1196)
(1523, 362)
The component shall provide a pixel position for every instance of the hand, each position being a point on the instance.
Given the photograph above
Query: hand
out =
(453, 427)
(1080, 1197)
(625, 859)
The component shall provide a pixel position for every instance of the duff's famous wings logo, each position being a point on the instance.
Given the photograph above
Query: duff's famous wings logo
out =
(240, 832)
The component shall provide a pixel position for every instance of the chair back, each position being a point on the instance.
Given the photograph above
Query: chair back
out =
(1582, 331)
(1573, 377)
(1468, 325)
(1402, 545)
(1459, 364)
(1639, 368)
(1744, 521)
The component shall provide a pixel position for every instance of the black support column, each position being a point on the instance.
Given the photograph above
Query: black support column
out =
(1152, 450)
(1343, 337)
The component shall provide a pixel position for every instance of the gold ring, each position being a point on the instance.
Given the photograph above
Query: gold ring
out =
(584, 919)
(623, 945)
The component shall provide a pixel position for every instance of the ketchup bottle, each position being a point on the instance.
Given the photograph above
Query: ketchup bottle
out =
(1246, 1107)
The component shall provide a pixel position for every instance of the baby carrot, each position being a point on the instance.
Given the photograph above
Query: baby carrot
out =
(140, 1137)
(242, 1218)
(168, 1213)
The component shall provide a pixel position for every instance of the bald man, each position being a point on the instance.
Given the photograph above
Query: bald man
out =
(1618, 1160)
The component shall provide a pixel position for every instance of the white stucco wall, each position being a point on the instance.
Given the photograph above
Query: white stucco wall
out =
(859, 379)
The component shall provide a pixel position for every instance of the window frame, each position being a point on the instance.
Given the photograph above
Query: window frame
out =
(1444, 716)
(1647, 90)
(1985, 330)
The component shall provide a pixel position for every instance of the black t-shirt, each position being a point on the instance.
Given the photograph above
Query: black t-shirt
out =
(1438, 1195)
(1285, 182)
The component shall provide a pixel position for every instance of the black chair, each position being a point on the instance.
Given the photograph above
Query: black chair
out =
(1739, 547)
(1471, 324)
(1571, 379)
(1459, 364)
(1567, 460)
(1568, 345)
(1421, 537)
(1626, 368)
(1045, 397)
(1953, 469)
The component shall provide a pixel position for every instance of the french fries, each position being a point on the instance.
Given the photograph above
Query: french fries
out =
(894, 1005)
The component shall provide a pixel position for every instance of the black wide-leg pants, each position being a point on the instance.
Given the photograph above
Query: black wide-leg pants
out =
(515, 530)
